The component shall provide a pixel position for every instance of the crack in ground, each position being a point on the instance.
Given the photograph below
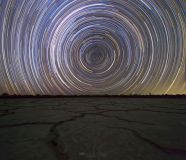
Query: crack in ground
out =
(26, 124)
(99, 112)
(163, 149)
(6, 113)
(53, 136)
(54, 141)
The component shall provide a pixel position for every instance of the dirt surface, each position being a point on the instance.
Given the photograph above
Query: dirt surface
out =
(93, 129)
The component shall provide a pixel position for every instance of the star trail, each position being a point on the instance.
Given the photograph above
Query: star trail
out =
(92, 47)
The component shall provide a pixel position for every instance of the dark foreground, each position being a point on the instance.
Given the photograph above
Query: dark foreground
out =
(93, 129)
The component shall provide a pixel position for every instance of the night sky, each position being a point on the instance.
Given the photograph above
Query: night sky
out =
(74, 47)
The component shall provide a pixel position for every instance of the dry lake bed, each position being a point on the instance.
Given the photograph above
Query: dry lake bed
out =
(93, 128)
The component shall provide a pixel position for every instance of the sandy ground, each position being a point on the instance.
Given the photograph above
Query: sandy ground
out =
(93, 129)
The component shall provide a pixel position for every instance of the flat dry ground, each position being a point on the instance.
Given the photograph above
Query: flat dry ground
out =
(93, 129)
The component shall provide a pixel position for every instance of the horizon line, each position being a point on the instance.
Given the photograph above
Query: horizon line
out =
(79, 96)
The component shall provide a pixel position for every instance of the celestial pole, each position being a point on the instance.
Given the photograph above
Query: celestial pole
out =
(72, 47)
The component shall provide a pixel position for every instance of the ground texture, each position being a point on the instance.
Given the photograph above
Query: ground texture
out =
(93, 129)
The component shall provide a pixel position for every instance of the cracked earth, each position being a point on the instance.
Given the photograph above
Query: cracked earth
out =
(93, 129)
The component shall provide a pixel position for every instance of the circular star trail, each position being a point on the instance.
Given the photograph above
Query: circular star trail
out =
(69, 47)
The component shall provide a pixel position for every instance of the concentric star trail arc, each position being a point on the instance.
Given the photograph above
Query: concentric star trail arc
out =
(92, 47)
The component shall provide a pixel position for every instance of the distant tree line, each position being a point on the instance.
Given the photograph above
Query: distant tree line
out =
(106, 95)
